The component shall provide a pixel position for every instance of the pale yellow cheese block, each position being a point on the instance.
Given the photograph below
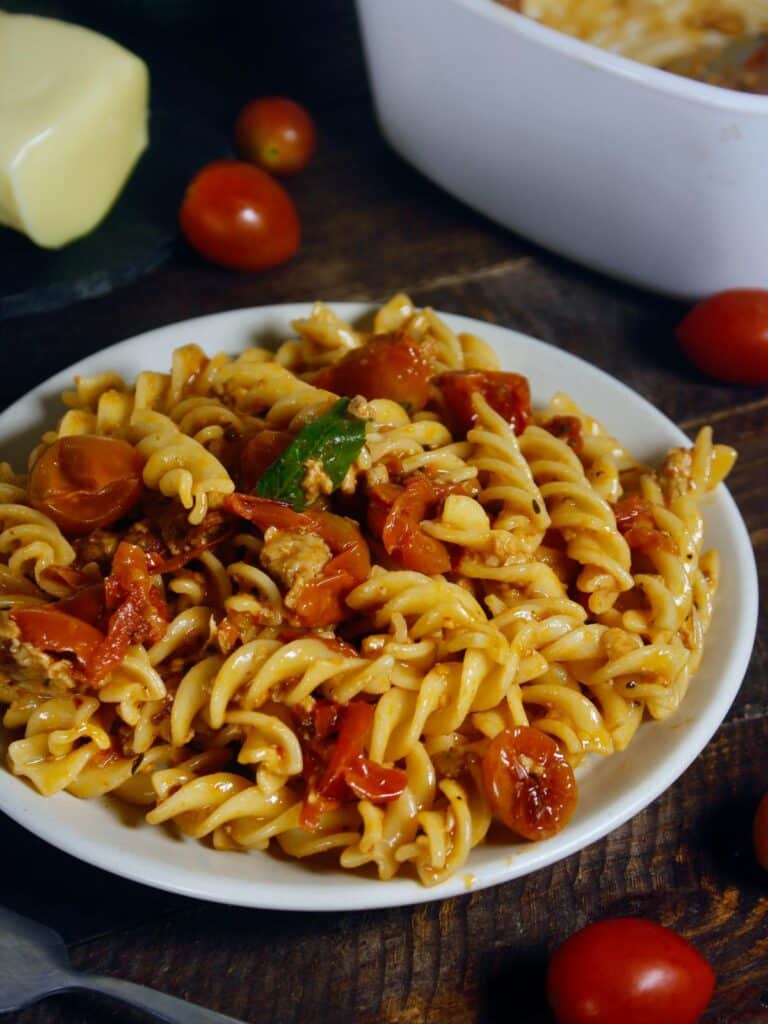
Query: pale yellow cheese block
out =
(73, 123)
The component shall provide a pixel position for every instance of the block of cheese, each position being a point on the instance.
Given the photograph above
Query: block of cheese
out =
(73, 123)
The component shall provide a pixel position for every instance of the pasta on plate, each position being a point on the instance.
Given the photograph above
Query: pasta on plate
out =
(352, 595)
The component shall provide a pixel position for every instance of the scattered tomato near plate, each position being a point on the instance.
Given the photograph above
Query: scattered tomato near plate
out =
(276, 133)
(760, 832)
(726, 336)
(236, 215)
(628, 971)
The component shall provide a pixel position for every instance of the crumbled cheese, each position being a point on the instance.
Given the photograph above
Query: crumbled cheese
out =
(294, 558)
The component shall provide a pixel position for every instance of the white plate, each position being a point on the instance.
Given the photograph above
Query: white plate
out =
(611, 790)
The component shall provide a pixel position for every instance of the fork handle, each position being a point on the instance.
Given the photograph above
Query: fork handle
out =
(158, 1004)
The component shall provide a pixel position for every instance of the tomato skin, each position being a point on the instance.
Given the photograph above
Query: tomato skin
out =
(760, 833)
(529, 783)
(320, 601)
(395, 514)
(387, 366)
(509, 394)
(276, 133)
(83, 482)
(50, 629)
(726, 336)
(628, 971)
(236, 215)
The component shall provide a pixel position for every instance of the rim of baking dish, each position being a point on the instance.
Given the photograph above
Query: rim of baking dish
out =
(656, 79)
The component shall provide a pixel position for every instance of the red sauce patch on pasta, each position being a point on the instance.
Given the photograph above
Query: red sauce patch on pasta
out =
(568, 429)
(634, 519)
(508, 394)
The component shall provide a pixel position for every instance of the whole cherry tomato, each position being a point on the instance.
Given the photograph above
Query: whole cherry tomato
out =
(236, 215)
(276, 133)
(726, 336)
(387, 366)
(529, 783)
(83, 482)
(628, 971)
(760, 832)
(49, 629)
(395, 515)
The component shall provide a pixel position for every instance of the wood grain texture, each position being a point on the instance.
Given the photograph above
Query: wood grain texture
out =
(373, 226)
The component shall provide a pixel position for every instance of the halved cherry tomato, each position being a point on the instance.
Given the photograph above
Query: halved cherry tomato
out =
(529, 783)
(236, 215)
(258, 453)
(87, 604)
(84, 482)
(276, 133)
(726, 336)
(375, 782)
(319, 602)
(568, 429)
(628, 971)
(348, 773)
(387, 366)
(356, 720)
(760, 832)
(634, 520)
(507, 393)
(50, 629)
(395, 514)
(138, 611)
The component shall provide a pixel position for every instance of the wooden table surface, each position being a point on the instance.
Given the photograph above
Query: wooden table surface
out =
(373, 226)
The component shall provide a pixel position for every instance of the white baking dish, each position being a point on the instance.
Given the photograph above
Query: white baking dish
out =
(650, 177)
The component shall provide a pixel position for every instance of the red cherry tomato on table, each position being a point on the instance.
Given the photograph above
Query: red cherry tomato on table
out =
(726, 336)
(83, 482)
(234, 214)
(529, 783)
(760, 833)
(49, 629)
(276, 133)
(628, 971)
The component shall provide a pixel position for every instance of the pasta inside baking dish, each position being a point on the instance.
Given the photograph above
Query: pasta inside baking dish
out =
(352, 595)
(656, 32)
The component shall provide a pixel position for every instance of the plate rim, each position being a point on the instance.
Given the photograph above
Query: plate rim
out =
(21, 803)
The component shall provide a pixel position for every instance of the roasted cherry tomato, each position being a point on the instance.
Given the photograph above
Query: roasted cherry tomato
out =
(628, 971)
(507, 393)
(529, 783)
(635, 521)
(235, 214)
(339, 771)
(320, 601)
(49, 629)
(258, 453)
(84, 482)
(387, 366)
(726, 336)
(276, 133)
(395, 514)
(760, 832)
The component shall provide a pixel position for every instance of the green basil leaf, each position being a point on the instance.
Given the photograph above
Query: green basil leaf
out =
(334, 439)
